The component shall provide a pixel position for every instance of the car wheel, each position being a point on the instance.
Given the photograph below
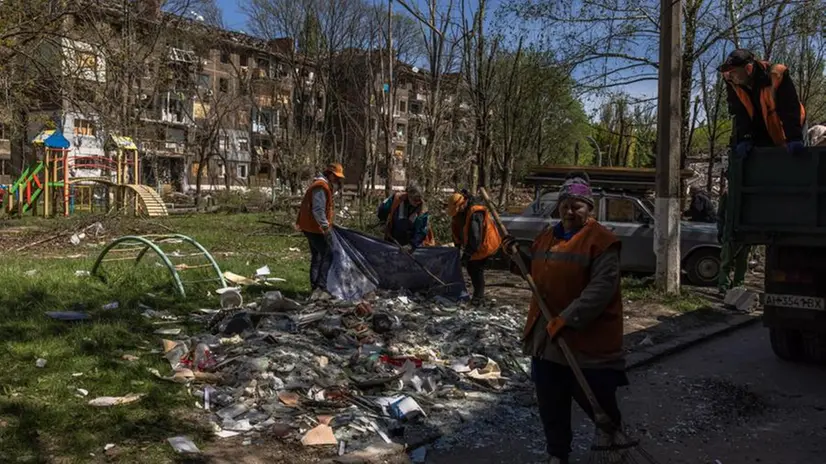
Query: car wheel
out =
(786, 344)
(703, 267)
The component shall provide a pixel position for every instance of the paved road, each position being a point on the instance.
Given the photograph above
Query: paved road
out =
(727, 401)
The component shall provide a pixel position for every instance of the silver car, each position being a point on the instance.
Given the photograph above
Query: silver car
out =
(632, 220)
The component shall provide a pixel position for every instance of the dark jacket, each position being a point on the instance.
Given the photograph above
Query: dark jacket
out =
(404, 230)
(787, 106)
(701, 209)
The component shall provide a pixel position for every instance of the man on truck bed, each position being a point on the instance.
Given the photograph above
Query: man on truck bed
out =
(763, 100)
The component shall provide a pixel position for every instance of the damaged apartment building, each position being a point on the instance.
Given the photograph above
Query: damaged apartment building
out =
(204, 106)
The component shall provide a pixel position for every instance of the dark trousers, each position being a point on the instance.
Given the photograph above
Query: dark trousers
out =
(319, 261)
(556, 386)
(476, 270)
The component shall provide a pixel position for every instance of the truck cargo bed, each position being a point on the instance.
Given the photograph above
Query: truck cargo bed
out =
(777, 198)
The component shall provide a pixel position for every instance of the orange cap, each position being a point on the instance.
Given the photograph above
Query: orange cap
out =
(456, 201)
(335, 169)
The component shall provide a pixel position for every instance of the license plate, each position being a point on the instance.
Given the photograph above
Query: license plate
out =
(794, 301)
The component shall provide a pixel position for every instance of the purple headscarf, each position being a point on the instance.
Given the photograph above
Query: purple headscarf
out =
(577, 185)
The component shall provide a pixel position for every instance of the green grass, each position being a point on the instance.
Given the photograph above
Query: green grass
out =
(41, 418)
(634, 289)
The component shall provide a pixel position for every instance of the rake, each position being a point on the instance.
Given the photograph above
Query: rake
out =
(611, 445)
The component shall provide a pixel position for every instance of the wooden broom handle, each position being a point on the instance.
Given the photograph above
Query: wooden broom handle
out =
(599, 414)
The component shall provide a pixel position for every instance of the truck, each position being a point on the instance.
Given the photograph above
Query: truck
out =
(779, 200)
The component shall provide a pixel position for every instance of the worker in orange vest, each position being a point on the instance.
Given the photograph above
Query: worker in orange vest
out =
(477, 236)
(576, 266)
(406, 220)
(315, 219)
(765, 105)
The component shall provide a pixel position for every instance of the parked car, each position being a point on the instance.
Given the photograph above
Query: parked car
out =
(632, 220)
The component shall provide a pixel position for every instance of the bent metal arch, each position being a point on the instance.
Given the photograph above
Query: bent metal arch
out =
(142, 244)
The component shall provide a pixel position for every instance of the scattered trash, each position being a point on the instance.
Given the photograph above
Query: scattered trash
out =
(68, 315)
(83, 391)
(111, 306)
(172, 331)
(320, 435)
(355, 374)
(419, 455)
(231, 298)
(108, 447)
(262, 272)
(183, 445)
(129, 357)
(647, 341)
(294, 249)
(106, 401)
(41, 363)
(82, 273)
(30, 273)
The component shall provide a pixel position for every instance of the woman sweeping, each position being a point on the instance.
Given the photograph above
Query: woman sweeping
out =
(575, 265)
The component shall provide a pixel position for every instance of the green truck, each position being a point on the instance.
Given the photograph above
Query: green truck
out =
(779, 200)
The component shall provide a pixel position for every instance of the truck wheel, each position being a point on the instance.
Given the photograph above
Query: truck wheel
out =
(703, 267)
(786, 344)
(814, 347)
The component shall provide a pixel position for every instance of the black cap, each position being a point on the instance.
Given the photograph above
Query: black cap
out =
(736, 59)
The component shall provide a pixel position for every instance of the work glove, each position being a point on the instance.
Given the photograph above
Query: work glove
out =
(796, 147)
(328, 235)
(555, 327)
(509, 246)
(743, 148)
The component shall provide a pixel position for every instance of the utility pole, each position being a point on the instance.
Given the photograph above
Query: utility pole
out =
(669, 120)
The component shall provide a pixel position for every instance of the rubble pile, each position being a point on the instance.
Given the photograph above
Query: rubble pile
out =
(390, 369)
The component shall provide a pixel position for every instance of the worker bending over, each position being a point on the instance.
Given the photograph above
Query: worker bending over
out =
(477, 236)
(315, 219)
(763, 100)
(406, 219)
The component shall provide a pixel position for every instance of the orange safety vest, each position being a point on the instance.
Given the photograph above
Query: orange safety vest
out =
(398, 198)
(774, 125)
(306, 222)
(561, 270)
(490, 235)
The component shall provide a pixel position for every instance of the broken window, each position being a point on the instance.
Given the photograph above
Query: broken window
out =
(244, 60)
(226, 57)
(242, 171)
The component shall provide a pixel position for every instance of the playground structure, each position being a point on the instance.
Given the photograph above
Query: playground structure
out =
(51, 186)
(136, 247)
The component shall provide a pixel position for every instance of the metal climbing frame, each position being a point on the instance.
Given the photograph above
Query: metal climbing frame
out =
(142, 244)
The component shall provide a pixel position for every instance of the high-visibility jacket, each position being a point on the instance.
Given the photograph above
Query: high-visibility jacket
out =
(421, 219)
(768, 107)
(561, 270)
(490, 240)
(306, 222)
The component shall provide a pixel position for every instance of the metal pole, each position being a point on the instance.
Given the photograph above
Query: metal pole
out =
(669, 118)
(390, 99)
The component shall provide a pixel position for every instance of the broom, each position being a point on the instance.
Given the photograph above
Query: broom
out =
(611, 445)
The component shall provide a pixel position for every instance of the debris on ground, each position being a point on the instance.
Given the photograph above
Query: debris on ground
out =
(365, 378)
(183, 445)
(106, 401)
(40, 362)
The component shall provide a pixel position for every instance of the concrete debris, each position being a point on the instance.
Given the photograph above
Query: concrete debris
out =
(373, 375)
(742, 299)
(183, 445)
